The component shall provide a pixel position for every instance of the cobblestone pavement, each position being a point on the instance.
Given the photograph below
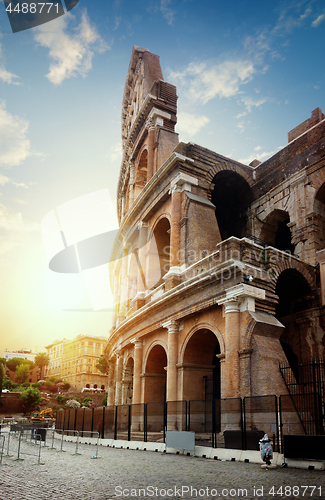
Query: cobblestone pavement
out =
(145, 475)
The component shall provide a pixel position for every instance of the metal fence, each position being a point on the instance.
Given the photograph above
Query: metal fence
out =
(230, 423)
(306, 385)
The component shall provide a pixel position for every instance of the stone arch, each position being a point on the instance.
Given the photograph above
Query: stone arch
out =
(224, 166)
(291, 263)
(154, 373)
(319, 211)
(276, 232)
(199, 370)
(232, 196)
(158, 255)
(141, 172)
(194, 329)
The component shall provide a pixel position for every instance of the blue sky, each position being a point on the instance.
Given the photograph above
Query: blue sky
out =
(246, 73)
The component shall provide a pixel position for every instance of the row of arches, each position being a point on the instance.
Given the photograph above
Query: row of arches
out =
(199, 358)
(232, 196)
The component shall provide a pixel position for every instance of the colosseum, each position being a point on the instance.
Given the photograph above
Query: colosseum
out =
(218, 272)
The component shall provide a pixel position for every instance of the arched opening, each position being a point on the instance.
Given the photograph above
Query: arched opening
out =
(155, 375)
(201, 367)
(127, 382)
(141, 173)
(231, 196)
(319, 209)
(276, 232)
(158, 262)
(132, 277)
(295, 297)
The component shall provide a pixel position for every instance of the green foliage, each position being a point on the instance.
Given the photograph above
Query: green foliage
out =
(104, 401)
(30, 398)
(14, 362)
(3, 361)
(36, 385)
(22, 372)
(87, 402)
(102, 365)
(61, 399)
(41, 359)
(24, 385)
(66, 386)
(9, 384)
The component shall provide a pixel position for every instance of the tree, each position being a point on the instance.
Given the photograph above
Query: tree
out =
(14, 362)
(3, 361)
(30, 398)
(22, 372)
(102, 365)
(41, 360)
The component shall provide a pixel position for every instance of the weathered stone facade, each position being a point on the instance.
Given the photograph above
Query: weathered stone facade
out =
(216, 274)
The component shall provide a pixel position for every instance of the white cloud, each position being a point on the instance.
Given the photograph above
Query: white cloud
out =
(318, 20)
(7, 76)
(287, 22)
(190, 124)
(14, 144)
(4, 180)
(116, 152)
(204, 83)
(71, 54)
(250, 103)
(11, 221)
(166, 11)
(258, 156)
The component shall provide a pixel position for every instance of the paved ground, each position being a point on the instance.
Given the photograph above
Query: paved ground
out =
(128, 474)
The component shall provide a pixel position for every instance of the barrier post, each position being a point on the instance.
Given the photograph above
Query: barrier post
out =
(77, 444)
(3, 444)
(61, 449)
(96, 454)
(18, 454)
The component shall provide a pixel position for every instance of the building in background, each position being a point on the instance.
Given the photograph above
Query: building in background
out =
(220, 273)
(75, 361)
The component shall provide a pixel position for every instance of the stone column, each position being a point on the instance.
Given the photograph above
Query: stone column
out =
(171, 392)
(172, 278)
(138, 350)
(119, 374)
(132, 182)
(232, 346)
(150, 159)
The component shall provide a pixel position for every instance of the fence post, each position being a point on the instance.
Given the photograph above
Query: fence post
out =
(129, 423)
(83, 423)
(92, 421)
(189, 416)
(165, 419)
(214, 434)
(185, 415)
(77, 445)
(103, 423)
(243, 422)
(277, 424)
(18, 454)
(145, 422)
(115, 423)
(75, 419)
(281, 424)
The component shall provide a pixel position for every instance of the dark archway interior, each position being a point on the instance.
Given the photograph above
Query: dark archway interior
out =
(282, 238)
(231, 196)
(276, 232)
(294, 293)
(202, 349)
(295, 296)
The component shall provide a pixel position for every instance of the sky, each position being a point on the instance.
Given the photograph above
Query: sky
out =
(246, 73)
